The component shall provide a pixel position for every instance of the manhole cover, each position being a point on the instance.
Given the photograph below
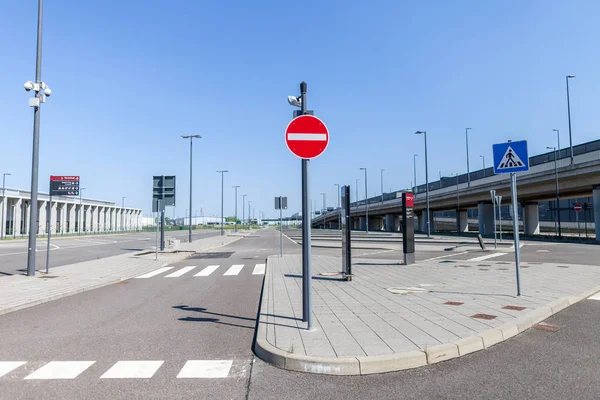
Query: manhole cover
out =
(454, 303)
(410, 290)
(483, 316)
(203, 256)
(515, 308)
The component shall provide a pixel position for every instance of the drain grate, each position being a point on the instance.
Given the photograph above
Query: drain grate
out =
(483, 316)
(204, 256)
(514, 308)
(454, 303)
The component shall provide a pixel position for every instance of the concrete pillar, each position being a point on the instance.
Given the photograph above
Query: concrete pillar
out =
(4, 211)
(463, 221)
(389, 223)
(596, 203)
(112, 219)
(17, 216)
(71, 217)
(362, 224)
(42, 223)
(26, 216)
(531, 219)
(485, 213)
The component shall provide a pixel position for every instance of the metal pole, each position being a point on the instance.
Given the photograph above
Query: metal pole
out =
(500, 215)
(49, 219)
(222, 172)
(249, 214)
(578, 224)
(2, 234)
(33, 215)
(81, 212)
(382, 185)
(427, 183)
(415, 171)
(493, 194)
(280, 229)
(122, 213)
(156, 221)
(557, 219)
(235, 223)
(243, 209)
(190, 226)
(468, 171)
(513, 190)
(569, 112)
(356, 193)
(306, 231)
(366, 202)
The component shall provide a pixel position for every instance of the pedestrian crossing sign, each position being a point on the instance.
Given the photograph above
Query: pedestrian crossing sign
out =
(510, 157)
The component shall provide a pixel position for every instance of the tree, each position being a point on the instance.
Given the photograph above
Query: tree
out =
(230, 219)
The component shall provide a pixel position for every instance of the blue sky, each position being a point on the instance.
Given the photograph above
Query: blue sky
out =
(129, 77)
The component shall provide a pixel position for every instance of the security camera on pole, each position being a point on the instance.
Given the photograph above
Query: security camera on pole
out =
(306, 137)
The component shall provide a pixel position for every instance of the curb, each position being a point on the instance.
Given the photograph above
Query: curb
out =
(365, 365)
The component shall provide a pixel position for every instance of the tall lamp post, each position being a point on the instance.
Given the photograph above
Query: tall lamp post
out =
(236, 188)
(4, 175)
(243, 209)
(557, 219)
(569, 113)
(41, 91)
(382, 185)
(557, 138)
(222, 172)
(81, 210)
(357, 193)
(468, 170)
(122, 213)
(415, 171)
(457, 204)
(424, 133)
(339, 205)
(483, 162)
(191, 137)
(324, 203)
(366, 202)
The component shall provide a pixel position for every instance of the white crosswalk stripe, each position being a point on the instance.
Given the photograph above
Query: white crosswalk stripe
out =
(7, 366)
(234, 270)
(180, 272)
(487, 256)
(205, 369)
(207, 271)
(139, 369)
(154, 273)
(132, 369)
(259, 269)
(60, 370)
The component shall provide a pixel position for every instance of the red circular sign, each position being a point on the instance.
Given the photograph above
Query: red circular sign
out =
(306, 136)
(577, 207)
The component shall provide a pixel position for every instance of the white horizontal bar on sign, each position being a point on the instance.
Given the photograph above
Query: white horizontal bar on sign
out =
(307, 136)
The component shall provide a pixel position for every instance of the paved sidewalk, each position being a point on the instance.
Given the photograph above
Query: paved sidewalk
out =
(392, 317)
(20, 291)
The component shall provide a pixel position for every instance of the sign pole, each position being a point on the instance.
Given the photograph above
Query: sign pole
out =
(306, 231)
(49, 219)
(578, 225)
(280, 230)
(513, 191)
(493, 193)
(500, 215)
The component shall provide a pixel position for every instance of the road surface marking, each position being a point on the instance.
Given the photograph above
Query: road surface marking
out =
(447, 255)
(60, 370)
(7, 366)
(593, 297)
(180, 272)
(133, 369)
(234, 270)
(259, 269)
(307, 136)
(487, 256)
(153, 273)
(207, 271)
(205, 369)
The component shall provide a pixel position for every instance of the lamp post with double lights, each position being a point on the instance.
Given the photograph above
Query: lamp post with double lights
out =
(569, 113)
(222, 172)
(191, 137)
(424, 133)
(557, 219)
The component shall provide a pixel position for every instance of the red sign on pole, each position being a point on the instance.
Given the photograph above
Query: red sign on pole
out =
(63, 178)
(306, 136)
(577, 207)
(410, 200)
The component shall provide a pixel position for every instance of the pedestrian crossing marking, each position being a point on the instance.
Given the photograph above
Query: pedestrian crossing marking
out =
(594, 297)
(207, 271)
(132, 369)
(139, 369)
(7, 366)
(154, 273)
(259, 269)
(180, 272)
(60, 370)
(205, 369)
(510, 159)
(234, 270)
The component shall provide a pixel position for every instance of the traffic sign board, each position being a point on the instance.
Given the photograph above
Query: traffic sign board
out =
(510, 157)
(577, 207)
(306, 136)
(64, 185)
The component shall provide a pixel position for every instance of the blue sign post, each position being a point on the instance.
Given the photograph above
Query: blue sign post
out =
(510, 158)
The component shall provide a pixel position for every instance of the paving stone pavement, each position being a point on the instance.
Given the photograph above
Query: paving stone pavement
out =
(20, 291)
(362, 327)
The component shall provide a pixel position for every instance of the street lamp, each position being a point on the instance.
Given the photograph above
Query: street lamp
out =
(243, 209)
(122, 212)
(569, 112)
(557, 138)
(339, 205)
(457, 203)
(366, 201)
(222, 172)
(81, 210)
(4, 175)
(415, 171)
(382, 185)
(468, 171)
(440, 175)
(236, 188)
(426, 181)
(191, 137)
(324, 202)
(357, 192)
(249, 214)
(483, 162)
(41, 91)
(557, 219)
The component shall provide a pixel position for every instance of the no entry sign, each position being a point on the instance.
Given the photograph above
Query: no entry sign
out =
(577, 207)
(306, 136)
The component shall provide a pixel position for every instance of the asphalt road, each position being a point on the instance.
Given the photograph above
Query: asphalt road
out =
(173, 318)
(70, 250)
